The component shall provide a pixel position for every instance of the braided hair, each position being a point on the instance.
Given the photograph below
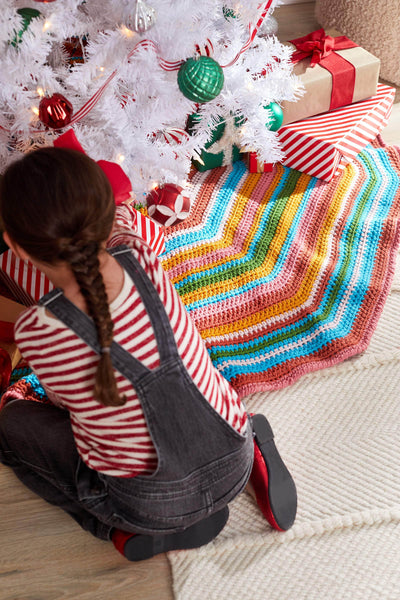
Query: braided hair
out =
(58, 206)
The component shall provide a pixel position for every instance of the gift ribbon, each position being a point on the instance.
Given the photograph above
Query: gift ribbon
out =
(120, 183)
(322, 50)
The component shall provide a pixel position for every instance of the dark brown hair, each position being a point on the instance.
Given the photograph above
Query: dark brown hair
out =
(58, 206)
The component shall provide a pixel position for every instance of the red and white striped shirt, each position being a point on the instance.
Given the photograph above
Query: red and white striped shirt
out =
(115, 440)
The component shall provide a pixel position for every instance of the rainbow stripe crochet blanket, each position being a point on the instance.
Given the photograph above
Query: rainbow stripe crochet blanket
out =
(283, 273)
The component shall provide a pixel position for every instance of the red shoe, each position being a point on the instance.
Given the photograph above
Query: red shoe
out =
(273, 485)
(135, 546)
(5, 369)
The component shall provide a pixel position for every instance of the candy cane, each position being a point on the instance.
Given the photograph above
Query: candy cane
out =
(253, 33)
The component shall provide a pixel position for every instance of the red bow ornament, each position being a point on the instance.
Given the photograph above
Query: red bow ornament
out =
(119, 181)
(322, 50)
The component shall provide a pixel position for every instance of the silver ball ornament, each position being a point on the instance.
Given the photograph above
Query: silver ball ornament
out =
(143, 18)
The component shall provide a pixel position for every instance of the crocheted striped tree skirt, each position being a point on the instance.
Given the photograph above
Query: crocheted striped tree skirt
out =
(282, 273)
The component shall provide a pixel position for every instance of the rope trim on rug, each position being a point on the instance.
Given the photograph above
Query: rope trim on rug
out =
(370, 518)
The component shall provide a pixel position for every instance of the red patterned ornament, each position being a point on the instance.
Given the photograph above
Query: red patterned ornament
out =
(55, 111)
(167, 204)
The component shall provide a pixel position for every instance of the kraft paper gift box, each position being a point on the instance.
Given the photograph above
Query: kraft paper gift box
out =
(322, 145)
(342, 73)
(9, 313)
(13, 352)
(28, 284)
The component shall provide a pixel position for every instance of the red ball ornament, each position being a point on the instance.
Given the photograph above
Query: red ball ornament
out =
(167, 204)
(55, 111)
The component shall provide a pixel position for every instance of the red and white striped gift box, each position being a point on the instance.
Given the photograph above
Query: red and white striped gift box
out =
(322, 145)
(152, 232)
(28, 284)
(23, 279)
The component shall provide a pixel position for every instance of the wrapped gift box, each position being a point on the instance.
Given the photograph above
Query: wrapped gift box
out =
(317, 80)
(322, 145)
(12, 351)
(27, 284)
(254, 165)
(9, 313)
(152, 232)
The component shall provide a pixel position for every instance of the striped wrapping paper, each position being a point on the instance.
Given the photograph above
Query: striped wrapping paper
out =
(284, 273)
(23, 279)
(27, 284)
(322, 145)
(147, 228)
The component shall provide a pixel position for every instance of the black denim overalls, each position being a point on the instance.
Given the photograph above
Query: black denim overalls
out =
(203, 463)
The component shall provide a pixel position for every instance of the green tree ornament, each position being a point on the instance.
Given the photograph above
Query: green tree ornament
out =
(277, 116)
(200, 79)
(27, 15)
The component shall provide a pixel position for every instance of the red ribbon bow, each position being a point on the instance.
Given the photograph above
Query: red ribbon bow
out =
(120, 183)
(322, 50)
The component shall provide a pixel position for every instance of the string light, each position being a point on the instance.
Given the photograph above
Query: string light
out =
(35, 110)
(127, 32)
(40, 92)
(46, 25)
(120, 158)
(100, 71)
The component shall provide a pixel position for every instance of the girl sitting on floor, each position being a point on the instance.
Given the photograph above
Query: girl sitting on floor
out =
(143, 442)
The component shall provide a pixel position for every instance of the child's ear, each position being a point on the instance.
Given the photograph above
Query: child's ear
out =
(18, 251)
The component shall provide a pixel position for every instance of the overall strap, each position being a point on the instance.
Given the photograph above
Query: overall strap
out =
(84, 327)
(155, 309)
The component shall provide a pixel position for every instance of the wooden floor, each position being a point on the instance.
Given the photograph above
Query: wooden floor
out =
(43, 554)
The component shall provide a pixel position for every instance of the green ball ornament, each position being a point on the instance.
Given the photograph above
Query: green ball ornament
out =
(277, 116)
(228, 13)
(27, 15)
(200, 79)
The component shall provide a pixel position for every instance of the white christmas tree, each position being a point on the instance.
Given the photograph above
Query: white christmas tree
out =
(125, 75)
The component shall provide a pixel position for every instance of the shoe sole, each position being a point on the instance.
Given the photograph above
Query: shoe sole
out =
(141, 547)
(282, 494)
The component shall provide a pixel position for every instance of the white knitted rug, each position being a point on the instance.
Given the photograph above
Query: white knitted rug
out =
(338, 430)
